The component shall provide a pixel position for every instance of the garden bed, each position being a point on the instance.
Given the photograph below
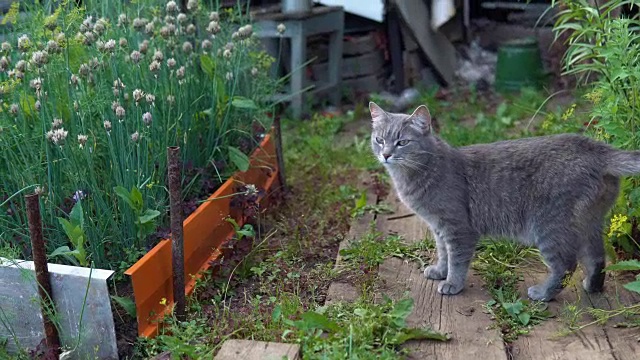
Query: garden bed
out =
(127, 87)
(206, 230)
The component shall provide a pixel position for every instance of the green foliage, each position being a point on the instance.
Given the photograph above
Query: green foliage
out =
(371, 250)
(113, 86)
(241, 232)
(497, 262)
(238, 158)
(74, 228)
(145, 219)
(355, 331)
(125, 303)
(628, 265)
(515, 316)
(8, 252)
(361, 207)
(606, 48)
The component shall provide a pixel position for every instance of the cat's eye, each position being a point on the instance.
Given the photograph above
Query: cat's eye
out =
(402, 143)
(380, 140)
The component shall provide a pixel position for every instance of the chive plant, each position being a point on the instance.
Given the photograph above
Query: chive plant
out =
(92, 97)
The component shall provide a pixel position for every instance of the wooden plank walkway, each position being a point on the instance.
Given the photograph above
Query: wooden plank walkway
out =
(463, 318)
(257, 350)
(593, 342)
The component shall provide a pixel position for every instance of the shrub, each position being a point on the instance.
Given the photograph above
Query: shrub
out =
(605, 49)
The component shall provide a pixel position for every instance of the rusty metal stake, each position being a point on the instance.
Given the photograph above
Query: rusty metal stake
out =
(279, 155)
(42, 272)
(177, 237)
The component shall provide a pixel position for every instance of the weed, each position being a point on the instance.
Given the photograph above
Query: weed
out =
(74, 228)
(9, 252)
(515, 316)
(573, 313)
(361, 207)
(359, 330)
(371, 250)
(497, 263)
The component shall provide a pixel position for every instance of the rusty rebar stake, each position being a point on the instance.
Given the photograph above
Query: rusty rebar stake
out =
(42, 272)
(280, 157)
(177, 236)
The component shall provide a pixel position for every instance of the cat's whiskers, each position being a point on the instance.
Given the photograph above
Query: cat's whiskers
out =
(416, 165)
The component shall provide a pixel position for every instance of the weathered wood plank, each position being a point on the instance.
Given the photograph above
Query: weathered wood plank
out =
(257, 350)
(623, 341)
(460, 315)
(546, 340)
(353, 67)
(341, 290)
(434, 44)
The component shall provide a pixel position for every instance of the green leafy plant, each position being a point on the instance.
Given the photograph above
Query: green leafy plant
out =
(497, 262)
(144, 218)
(125, 303)
(238, 158)
(515, 316)
(371, 250)
(361, 207)
(628, 265)
(74, 229)
(630, 314)
(246, 230)
(605, 48)
(355, 331)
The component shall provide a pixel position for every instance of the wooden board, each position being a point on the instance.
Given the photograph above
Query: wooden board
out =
(597, 342)
(343, 290)
(436, 47)
(257, 350)
(353, 67)
(461, 316)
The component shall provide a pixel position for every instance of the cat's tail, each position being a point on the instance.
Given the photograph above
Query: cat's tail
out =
(623, 163)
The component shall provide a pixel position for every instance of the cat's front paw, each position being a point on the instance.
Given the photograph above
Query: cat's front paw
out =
(447, 288)
(433, 272)
(540, 293)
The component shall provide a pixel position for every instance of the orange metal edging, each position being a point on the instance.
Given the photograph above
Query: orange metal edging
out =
(205, 231)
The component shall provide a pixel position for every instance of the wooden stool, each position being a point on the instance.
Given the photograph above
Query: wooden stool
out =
(299, 26)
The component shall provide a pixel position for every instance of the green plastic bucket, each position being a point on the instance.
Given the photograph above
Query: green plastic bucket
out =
(519, 65)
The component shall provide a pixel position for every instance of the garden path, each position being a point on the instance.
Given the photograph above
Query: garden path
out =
(464, 318)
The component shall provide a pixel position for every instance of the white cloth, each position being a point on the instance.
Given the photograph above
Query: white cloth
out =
(441, 12)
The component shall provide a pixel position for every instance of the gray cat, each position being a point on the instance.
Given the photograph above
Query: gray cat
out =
(551, 192)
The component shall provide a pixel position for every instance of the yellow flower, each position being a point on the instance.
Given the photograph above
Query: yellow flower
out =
(595, 96)
(163, 301)
(616, 224)
(548, 122)
(568, 113)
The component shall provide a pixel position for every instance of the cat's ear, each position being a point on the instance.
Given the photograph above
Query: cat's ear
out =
(421, 119)
(376, 111)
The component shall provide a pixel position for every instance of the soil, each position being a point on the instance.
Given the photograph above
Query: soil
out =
(126, 326)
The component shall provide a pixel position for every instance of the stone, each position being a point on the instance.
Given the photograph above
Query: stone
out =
(83, 309)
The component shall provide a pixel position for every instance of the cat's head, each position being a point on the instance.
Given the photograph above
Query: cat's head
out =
(400, 139)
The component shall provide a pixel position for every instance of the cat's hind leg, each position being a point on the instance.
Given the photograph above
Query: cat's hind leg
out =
(593, 254)
(559, 249)
(593, 260)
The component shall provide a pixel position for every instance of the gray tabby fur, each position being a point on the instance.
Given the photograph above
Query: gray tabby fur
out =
(551, 192)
